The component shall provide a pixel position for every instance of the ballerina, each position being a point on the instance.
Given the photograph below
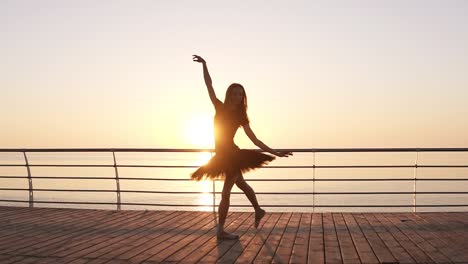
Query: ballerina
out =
(230, 162)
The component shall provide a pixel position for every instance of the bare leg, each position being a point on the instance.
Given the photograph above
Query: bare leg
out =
(224, 206)
(250, 193)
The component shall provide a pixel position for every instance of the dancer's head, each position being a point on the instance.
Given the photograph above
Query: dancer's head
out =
(237, 99)
(235, 96)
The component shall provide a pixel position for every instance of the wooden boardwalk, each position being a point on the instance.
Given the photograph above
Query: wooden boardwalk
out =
(48, 235)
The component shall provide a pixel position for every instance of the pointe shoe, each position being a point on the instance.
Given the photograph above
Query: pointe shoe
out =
(258, 216)
(227, 236)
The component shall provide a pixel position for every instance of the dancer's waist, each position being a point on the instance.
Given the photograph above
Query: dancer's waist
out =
(226, 147)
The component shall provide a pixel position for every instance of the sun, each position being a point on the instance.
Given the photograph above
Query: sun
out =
(199, 131)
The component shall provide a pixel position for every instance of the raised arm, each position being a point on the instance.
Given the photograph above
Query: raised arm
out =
(261, 145)
(208, 82)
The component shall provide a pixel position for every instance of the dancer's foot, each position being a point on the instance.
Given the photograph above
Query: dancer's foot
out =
(259, 214)
(226, 236)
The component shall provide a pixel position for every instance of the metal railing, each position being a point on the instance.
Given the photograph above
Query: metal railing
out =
(31, 190)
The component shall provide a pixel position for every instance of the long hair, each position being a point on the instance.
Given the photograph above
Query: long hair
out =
(242, 109)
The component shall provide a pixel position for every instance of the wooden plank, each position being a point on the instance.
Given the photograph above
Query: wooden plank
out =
(17, 230)
(271, 242)
(458, 222)
(134, 236)
(17, 225)
(23, 259)
(206, 238)
(316, 251)
(8, 209)
(103, 260)
(253, 247)
(49, 260)
(364, 250)
(39, 216)
(126, 235)
(47, 235)
(89, 234)
(242, 223)
(450, 229)
(332, 247)
(285, 247)
(176, 240)
(13, 210)
(459, 228)
(428, 233)
(432, 252)
(301, 243)
(379, 248)
(41, 233)
(196, 254)
(5, 258)
(71, 261)
(18, 214)
(157, 233)
(346, 245)
(413, 250)
(112, 261)
(388, 238)
(44, 220)
(231, 255)
(78, 235)
(13, 259)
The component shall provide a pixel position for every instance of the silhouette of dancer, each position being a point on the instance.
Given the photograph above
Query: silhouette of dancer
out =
(230, 162)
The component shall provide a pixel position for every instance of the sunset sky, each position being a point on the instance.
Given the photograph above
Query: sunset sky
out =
(318, 74)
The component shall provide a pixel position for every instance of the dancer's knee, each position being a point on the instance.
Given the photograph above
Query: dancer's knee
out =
(241, 183)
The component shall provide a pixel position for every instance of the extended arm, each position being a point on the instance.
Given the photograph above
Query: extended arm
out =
(207, 77)
(262, 145)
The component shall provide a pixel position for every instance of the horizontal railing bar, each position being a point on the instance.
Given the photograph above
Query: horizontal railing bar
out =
(270, 193)
(309, 167)
(56, 190)
(388, 166)
(75, 178)
(238, 205)
(272, 180)
(212, 150)
(266, 167)
(107, 150)
(363, 179)
(59, 177)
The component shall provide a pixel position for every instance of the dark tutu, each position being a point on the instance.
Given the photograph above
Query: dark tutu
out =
(227, 163)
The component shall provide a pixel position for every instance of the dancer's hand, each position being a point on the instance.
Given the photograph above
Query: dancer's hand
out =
(284, 154)
(198, 59)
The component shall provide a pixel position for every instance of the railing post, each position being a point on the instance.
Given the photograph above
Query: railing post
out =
(313, 184)
(415, 180)
(31, 193)
(214, 192)
(117, 181)
(214, 196)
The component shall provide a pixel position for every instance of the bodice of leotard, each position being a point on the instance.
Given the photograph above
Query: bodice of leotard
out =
(225, 128)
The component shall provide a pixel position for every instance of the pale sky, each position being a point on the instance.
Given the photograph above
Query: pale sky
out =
(317, 73)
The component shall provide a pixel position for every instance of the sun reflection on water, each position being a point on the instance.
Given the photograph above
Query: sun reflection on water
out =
(205, 186)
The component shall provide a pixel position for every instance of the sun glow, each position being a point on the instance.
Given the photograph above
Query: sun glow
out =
(203, 158)
(199, 132)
